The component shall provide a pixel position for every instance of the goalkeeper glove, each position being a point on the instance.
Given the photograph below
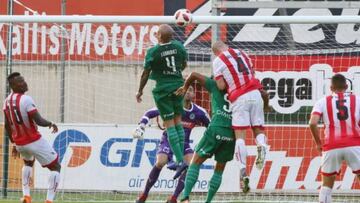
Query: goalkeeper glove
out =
(139, 132)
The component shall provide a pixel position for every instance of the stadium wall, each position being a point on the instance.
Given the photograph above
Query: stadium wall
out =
(93, 93)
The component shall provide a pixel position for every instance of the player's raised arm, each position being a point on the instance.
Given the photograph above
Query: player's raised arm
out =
(140, 130)
(149, 114)
(220, 83)
(189, 80)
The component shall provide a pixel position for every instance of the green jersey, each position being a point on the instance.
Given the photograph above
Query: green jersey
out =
(221, 114)
(166, 62)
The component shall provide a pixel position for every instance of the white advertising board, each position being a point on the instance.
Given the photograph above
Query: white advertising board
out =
(106, 157)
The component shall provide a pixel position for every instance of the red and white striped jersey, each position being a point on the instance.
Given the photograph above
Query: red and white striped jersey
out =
(341, 116)
(17, 109)
(236, 68)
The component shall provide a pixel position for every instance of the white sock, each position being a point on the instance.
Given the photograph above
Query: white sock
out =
(25, 179)
(325, 195)
(241, 153)
(261, 139)
(53, 184)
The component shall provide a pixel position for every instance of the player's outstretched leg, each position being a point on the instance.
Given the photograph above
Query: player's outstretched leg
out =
(174, 143)
(325, 194)
(53, 183)
(153, 177)
(192, 176)
(181, 183)
(190, 180)
(181, 138)
(25, 179)
(181, 133)
(326, 188)
(161, 160)
(179, 188)
(241, 156)
(241, 152)
(261, 142)
(173, 138)
(215, 181)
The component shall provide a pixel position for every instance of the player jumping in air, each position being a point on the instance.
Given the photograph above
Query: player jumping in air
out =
(194, 115)
(164, 63)
(218, 139)
(234, 72)
(340, 113)
(21, 118)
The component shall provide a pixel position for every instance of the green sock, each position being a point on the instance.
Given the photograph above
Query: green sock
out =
(190, 180)
(215, 183)
(181, 135)
(174, 143)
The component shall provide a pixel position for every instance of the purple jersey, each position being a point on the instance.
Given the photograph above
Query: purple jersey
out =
(195, 116)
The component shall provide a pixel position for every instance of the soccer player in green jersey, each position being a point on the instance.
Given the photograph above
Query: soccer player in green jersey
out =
(218, 139)
(164, 63)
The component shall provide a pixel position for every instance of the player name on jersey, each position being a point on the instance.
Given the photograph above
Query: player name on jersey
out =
(168, 52)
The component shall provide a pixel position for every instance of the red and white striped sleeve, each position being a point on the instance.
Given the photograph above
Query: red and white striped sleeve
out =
(29, 104)
(319, 107)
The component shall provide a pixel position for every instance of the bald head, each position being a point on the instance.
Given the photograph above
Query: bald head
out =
(218, 47)
(165, 33)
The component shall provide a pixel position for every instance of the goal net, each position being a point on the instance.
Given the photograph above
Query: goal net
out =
(84, 76)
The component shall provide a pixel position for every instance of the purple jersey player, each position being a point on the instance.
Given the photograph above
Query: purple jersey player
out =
(194, 115)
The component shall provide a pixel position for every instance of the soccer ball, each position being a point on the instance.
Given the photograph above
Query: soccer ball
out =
(183, 17)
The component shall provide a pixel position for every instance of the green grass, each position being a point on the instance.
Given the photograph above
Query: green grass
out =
(13, 201)
(156, 197)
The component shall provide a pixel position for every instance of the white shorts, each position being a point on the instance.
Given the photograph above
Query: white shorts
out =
(331, 160)
(40, 150)
(248, 110)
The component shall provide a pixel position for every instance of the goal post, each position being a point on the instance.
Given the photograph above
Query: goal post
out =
(294, 58)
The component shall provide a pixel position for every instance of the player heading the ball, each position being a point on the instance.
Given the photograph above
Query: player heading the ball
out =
(233, 71)
(164, 63)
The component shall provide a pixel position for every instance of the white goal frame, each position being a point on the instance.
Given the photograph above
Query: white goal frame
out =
(171, 19)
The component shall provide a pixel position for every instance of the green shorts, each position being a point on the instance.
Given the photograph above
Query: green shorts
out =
(219, 141)
(169, 105)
